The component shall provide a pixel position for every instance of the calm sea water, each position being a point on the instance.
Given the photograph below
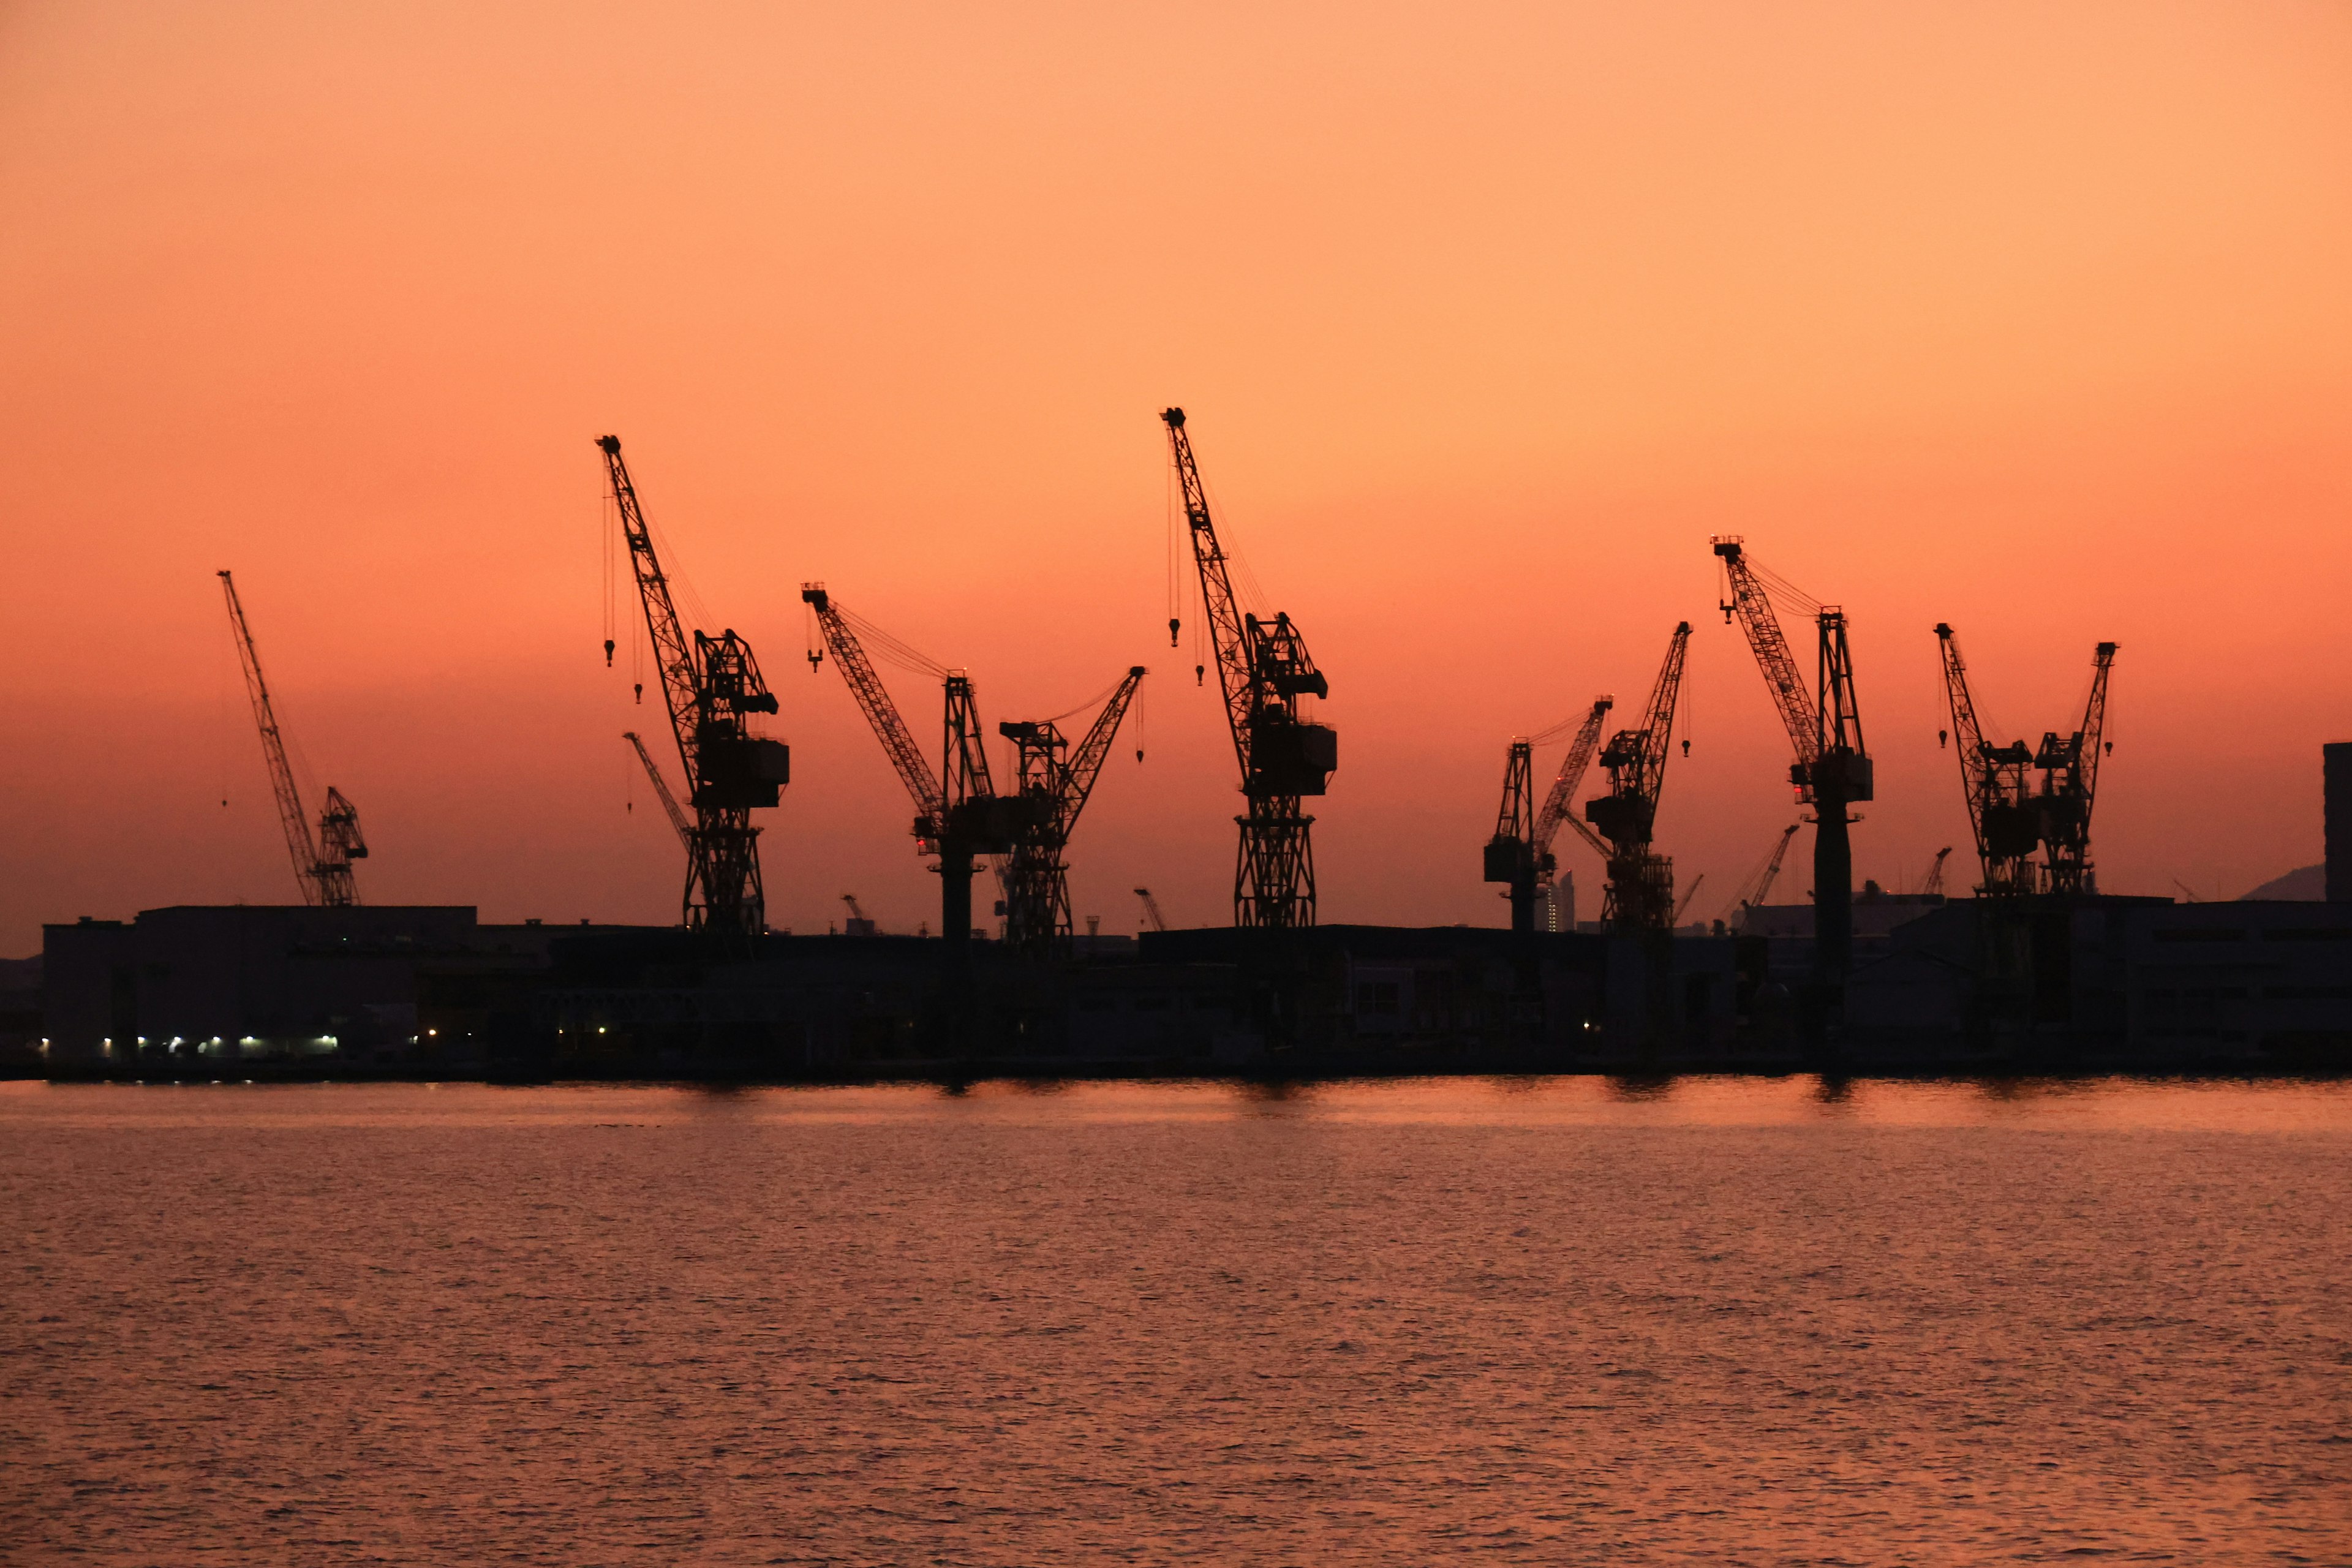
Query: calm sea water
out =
(1545, 1321)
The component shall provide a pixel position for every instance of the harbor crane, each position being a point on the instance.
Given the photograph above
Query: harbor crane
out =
(714, 694)
(321, 865)
(2069, 765)
(1832, 769)
(1992, 778)
(1759, 886)
(1265, 674)
(661, 790)
(1640, 891)
(1934, 886)
(957, 818)
(2011, 820)
(1152, 919)
(1054, 784)
(1519, 854)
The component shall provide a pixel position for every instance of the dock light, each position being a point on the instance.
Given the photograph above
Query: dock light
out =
(599, 1028)
(143, 1041)
(429, 1033)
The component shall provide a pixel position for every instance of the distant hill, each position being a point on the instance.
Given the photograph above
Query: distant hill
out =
(2310, 883)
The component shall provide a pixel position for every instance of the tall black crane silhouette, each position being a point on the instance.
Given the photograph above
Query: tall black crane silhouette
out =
(1519, 854)
(1640, 891)
(1831, 770)
(323, 866)
(714, 692)
(1265, 674)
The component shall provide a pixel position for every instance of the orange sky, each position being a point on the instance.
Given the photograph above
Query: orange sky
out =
(2030, 317)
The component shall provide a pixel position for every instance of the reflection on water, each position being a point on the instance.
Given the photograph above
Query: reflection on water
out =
(1574, 1320)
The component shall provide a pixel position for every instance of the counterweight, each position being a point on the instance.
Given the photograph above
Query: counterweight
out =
(1264, 672)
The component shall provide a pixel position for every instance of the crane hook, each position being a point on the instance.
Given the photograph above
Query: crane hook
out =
(815, 657)
(641, 691)
(1941, 736)
(1172, 624)
(608, 653)
(1197, 671)
(1686, 753)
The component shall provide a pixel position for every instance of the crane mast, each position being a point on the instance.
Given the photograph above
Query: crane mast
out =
(661, 790)
(1992, 778)
(712, 688)
(321, 867)
(1640, 891)
(1519, 855)
(1054, 783)
(2070, 780)
(1831, 767)
(1263, 671)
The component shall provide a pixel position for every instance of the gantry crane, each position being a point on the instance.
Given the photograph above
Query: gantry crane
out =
(661, 790)
(1265, 673)
(323, 866)
(1831, 770)
(1054, 784)
(1641, 892)
(1992, 778)
(958, 820)
(2070, 781)
(713, 690)
(1152, 919)
(1519, 855)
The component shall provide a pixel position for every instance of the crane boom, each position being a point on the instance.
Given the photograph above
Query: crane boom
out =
(712, 688)
(321, 867)
(673, 654)
(661, 789)
(1555, 809)
(1263, 671)
(1782, 678)
(913, 768)
(1152, 918)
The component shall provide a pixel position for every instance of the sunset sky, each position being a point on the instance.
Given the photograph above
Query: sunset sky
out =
(2036, 319)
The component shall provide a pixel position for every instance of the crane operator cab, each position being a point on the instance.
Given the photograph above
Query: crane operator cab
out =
(1288, 755)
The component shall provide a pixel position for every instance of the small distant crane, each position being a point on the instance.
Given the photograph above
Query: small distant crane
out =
(1640, 891)
(1682, 908)
(1752, 895)
(1152, 919)
(1933, 887)
(323, 868)
(661, 790)
(857, 924)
